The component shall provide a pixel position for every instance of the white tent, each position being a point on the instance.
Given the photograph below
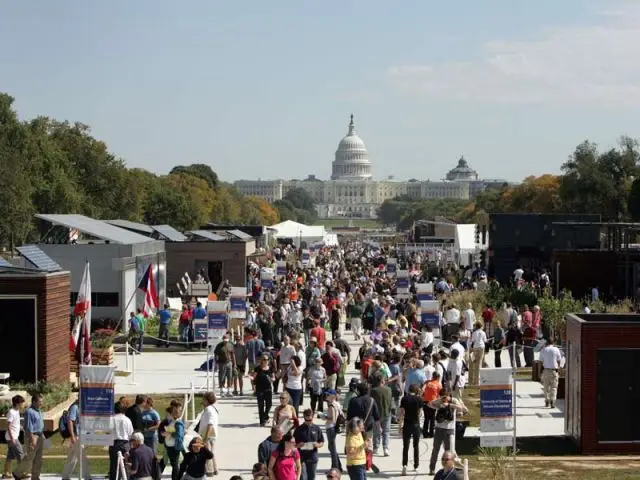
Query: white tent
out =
(299, 232)
(465, 243)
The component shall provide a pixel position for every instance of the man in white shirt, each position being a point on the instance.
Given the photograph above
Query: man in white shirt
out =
(456, 345)
(208, 429)
(552, 360)
(452, 316)
(12, 435)
(455, 375)
(469, 316)
(122, 429)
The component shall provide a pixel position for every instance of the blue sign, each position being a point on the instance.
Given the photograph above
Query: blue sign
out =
(305, 256)
(496, 402)
(281, 270)
(424, 297)
(267, 284)
(430, 318)
(391, 268)
(402, 283)
(200, 331)
(238, 304)
(218, 320)
(97, 400)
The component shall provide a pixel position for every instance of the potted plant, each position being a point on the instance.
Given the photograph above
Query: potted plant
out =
(102, 346)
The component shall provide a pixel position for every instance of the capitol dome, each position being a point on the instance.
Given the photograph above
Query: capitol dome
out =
(352, 159)
(462, 172)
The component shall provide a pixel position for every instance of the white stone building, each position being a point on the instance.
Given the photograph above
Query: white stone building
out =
(352, 191)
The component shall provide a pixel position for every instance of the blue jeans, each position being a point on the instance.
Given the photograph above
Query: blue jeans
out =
(331, 440)
(357, 472)
(183, 330)
(309, 469)
(381, 429)
(295, 398)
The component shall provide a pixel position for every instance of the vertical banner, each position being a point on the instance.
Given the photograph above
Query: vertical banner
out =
(402, 284)
(281, 269)
(217, 321)
(392, 266)
(238, 300)
(306, 257)
(496, 407)
(96, 404)
(430, 313)
(266, 280)
(424, 291)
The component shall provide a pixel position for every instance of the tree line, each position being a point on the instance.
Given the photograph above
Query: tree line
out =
(591, 181)
(51, 166)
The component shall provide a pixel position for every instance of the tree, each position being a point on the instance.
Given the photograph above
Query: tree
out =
(268, 214)
(199, 170)
(301, 199)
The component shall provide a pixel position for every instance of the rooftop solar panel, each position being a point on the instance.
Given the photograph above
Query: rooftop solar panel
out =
(38, 258)
(135, 226)
(169, 233)
(205, 234)
(95, 228)
(4, 263)
(239, 234)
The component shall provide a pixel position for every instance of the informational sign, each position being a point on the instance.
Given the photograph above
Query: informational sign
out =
(96, 404)
(266, 280)
(238, 301)
(424, 291)
(430, 313)
(200, 330)
(218, 321)
(306, 257)
(392, 266)
(402, 284)
(496, 406)
(281, 268)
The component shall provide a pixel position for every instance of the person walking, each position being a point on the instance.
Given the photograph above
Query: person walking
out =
(269, 445)
(76, 453)
(208, 431)
(409, 419)
(284, 463)
(448, 470)
(165, 324)
(284, 415)
(334, 412)
(430, 393)
(478, 342)
(122, 429)
(174, 438)
(263, 377)
(12, 434)
(316, 382)
(552, 360)
(195, 462)
(142, 460)
(384, 401)
(294, 382)
(446, 408)
(356, 447)
(151, 422)
(309, 439)
(34, 441)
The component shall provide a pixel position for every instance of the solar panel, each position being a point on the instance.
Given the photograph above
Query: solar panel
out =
(95, 228)
(207, 235)
(135, 226)
(239, 234)
(4, 263)
(169, 233)
(38, 258)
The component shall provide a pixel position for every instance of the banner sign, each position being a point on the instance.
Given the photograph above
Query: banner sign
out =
(96, 404)
(281, 268)
(392, 266)
(218, 322)
(496, 399)
(402, 283)
(266, 280)
(306, 257)
(424, 291)
(430, 313)
(238, 300)
(200, 330)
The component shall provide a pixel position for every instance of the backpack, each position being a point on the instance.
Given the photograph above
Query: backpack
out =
(161, 428)
(307, 323)
(445, 374)
(340, 419)
(332, 364)
(62, 425)
(135, 326)
(444, 414)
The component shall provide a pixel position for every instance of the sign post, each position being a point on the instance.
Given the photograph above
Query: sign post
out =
(266, 280)
(306, 257)
(281, 269)
(402, 284)
(392, 266)
(96, 405)
(424, 291)
(497, 408)
(217, 327)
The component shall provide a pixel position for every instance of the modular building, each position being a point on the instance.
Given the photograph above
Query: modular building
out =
(118, 259)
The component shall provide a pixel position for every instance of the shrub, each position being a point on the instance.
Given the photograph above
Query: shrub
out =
(52, 393)
(103, 338)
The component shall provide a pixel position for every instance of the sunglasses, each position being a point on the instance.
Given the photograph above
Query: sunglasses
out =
(447, 459)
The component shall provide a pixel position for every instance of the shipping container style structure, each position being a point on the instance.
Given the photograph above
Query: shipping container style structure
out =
(603, 382)
(35, 323)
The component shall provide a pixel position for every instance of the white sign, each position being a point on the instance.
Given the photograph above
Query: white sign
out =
(238, 301)
(496, 441)
(496, 400)
(96, 400)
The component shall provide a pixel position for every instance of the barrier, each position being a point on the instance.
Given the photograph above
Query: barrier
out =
(121, 473)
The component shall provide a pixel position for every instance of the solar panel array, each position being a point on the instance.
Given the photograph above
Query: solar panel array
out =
(240, 234)
(38, 258)
(4, 263)
(169, 233)
(94, 228)
(205, 234)
(135, 226)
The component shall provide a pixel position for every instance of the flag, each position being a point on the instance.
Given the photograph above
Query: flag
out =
(148, 286)
(81, 333)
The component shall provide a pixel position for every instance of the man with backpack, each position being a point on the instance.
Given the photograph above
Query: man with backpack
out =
(331, 361)
(446, 408)
(68, 427)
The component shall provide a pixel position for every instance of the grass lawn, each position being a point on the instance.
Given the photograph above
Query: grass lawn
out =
(346, 222)
(589, 469)
(54, 458)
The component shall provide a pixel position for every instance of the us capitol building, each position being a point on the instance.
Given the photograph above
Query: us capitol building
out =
(352, 191)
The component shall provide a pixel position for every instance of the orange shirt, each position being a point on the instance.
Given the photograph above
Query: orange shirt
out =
(293, 295)
(319, 333)
(431, 390)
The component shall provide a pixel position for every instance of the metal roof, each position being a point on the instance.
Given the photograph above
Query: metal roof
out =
(137, 227)
(4, 263)
(38, 258)
(94, 228)
(206, 235)
(240, 234)
(169, 233)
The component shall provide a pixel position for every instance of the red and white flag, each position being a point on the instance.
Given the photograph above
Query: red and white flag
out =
(80, 335)
(148, 286)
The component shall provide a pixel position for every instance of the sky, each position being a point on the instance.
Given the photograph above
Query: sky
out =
(264, 89)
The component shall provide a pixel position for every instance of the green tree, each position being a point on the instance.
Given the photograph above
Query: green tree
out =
(199, 170)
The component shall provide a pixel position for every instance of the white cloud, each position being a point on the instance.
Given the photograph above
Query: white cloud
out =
(585, 65)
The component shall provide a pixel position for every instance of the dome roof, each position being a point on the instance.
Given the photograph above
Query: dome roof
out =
(351, 159)
(462, 171)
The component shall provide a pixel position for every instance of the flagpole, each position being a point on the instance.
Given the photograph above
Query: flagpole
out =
(79, 439)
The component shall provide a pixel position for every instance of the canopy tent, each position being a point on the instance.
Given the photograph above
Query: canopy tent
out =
(298, 232)
(465, 243)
